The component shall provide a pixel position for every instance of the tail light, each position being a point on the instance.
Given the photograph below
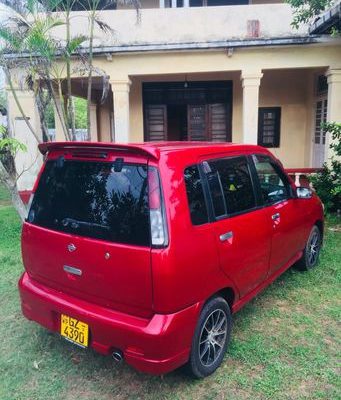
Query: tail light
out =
(158, 227)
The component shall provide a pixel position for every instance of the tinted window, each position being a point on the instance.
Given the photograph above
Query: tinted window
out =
(274, 185)
(233, 176)
(195, 194)
(91, 199)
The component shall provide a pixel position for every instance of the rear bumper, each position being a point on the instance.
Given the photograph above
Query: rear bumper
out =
(156, 346)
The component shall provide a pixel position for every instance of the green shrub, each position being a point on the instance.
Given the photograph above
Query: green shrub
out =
(327, 183)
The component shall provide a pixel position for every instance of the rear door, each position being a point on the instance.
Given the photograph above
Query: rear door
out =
(242, 231)
(88, 232)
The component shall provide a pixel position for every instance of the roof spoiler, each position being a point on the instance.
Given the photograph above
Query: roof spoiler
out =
(148, 151)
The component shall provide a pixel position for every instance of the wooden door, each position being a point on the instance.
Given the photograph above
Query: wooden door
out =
(209, 122)
(155, 123)
(197, 126)
(218, 123)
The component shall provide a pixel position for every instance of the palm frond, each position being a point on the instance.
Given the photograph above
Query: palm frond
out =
(103, 26)
(75, 44)
(10, 40)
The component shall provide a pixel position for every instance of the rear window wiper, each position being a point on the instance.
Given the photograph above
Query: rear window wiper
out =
(75, 224)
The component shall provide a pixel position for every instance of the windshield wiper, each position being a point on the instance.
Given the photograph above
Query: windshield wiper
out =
(75, 224)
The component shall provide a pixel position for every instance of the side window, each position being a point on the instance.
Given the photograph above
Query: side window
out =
(274, 185)
(195, 195)
(233, 177)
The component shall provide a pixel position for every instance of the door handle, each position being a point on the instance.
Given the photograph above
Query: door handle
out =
(275, 216)
(226, 236)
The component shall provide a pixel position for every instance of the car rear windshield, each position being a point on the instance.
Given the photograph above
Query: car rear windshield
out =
(101, 200)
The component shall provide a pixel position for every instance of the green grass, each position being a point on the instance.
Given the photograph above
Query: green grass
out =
(286, 343)
(4, 197)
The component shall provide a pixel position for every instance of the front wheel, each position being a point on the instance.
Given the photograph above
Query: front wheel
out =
(311, 251)
(211, 338)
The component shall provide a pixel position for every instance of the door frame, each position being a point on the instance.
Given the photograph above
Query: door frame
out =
(160, 93)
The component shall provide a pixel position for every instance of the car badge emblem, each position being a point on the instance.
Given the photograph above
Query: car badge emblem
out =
(71, 247)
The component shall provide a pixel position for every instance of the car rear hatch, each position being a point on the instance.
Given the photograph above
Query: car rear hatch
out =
(88, 231)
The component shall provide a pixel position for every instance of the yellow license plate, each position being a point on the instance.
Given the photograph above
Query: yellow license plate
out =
(74, 330)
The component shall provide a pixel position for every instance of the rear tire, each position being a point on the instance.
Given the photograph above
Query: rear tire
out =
(311, 251)
(211, 338)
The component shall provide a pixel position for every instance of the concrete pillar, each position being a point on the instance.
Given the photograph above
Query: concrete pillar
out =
(173, 3)
(120, 89)
(334, 103)
(27, 162)
(162, 3)
(250, 84)
(186, 3)
(93, 122)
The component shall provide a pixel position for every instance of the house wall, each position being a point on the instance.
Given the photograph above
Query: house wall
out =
(156, 3)
(286, 89)
(288, 82)
(188, 25)
(144, 4)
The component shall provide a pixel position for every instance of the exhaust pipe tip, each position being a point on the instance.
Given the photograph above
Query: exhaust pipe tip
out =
(117, 356)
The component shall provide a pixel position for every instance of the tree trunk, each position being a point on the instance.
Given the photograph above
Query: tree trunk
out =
(18, 203)
(92, 23)
(70, 110)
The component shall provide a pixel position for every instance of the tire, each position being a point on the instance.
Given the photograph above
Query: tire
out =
(208, 349)
(311, 251)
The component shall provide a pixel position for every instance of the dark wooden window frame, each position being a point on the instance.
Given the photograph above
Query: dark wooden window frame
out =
(277, 127)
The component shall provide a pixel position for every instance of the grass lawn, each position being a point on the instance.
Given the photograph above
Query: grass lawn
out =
(286, 343)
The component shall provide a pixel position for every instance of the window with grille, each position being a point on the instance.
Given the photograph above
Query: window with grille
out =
(269, 124)
(320, 119)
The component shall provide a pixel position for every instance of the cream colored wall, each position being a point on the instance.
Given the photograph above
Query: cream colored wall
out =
(156, 3)
(266, 1)
(104, 113)
(287, 89)
(287, 82)
(144, 4)
(187, 25)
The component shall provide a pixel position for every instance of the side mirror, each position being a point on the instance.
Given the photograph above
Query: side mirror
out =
(303, 192)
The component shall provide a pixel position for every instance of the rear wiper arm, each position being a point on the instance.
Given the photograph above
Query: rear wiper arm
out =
(75, 224)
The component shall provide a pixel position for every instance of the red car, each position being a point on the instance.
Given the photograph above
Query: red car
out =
(145, 251)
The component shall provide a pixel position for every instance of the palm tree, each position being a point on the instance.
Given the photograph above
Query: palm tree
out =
(28, 43)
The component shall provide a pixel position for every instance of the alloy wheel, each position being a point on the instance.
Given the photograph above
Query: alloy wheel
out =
(212, 337)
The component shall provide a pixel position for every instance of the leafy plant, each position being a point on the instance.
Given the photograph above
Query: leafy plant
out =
(306, 10)
(327, 183)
